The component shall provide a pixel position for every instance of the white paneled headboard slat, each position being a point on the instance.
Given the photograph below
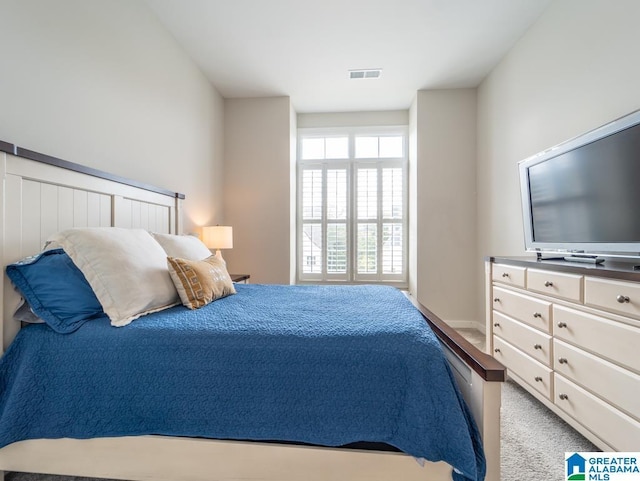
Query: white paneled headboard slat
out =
(133, 213)
(38, 199)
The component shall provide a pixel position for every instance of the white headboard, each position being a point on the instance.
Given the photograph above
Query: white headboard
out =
(41, 195)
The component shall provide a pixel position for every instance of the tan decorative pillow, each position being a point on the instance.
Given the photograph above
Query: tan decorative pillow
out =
(200, 282)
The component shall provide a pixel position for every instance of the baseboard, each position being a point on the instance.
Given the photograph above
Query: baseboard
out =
(467, 325)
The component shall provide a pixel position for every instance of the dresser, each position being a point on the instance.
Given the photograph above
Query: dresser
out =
(570, 335)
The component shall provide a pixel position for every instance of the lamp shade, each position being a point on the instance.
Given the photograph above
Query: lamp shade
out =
(218, 236)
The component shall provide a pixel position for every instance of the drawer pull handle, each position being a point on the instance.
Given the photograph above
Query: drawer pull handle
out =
(538, 379)
(496, 299)
(563, 360)
(548, 284)
(505, 274)
(563, 397)
(496, 324)
(562, 325)
(537, 314)
(537, 346)
(496, 350)
(622, 299)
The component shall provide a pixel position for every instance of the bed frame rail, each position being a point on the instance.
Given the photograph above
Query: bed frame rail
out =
(480, 378)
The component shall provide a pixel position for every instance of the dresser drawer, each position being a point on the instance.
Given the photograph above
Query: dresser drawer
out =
(620, 386)
(529, 340)
(612, 340)
(615, 296)
(617, 429)
(566, 286)
(514, 276)
(529, 310)
(534, 373)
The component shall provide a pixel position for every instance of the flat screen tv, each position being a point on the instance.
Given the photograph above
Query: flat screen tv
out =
(582, 197)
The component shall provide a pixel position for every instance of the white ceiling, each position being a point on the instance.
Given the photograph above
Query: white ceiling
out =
(304, 49)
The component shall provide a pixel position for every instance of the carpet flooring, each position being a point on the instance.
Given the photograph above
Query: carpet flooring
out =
(531, 432)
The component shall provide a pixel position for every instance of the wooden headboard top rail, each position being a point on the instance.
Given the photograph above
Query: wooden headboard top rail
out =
(65, 164)
(7, 147)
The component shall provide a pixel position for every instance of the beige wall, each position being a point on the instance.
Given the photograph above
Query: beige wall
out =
(413, 197)
(574, 70)
(293, 189)
(103, 84)
(354, 119)
(445, 223)
(257, 187)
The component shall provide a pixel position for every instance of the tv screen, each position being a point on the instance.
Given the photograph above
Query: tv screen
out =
(584, 195)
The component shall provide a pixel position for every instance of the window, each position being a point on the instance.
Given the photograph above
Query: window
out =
(352, 205)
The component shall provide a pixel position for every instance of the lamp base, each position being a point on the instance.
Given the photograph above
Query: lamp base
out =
(219, 256)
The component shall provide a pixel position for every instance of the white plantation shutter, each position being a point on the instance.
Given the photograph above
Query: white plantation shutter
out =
(337, 221)
(312, 249)
(324, 233)
(312, 194)
(352, 207)
(367, 210)
(337, 248)
(337, 194)
(393, 200)
(380, 244)
(312, 205)
(367, 195)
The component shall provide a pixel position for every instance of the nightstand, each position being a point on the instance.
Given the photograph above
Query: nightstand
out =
(240, 278)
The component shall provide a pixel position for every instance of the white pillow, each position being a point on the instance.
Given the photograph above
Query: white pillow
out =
(126, 268)
(182, 246)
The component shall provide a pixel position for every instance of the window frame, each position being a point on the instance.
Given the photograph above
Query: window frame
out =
(352, 164)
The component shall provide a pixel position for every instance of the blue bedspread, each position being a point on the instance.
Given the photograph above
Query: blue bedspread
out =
(322, 365)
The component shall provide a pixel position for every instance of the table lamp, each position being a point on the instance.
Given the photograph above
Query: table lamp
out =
(218, 237)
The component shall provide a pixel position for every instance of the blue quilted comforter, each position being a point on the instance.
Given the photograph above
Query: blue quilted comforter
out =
(322, 365)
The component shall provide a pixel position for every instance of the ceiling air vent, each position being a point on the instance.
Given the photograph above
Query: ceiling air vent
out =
(365, 73)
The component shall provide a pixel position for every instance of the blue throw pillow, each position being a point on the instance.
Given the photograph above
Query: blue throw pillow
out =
(56, 290)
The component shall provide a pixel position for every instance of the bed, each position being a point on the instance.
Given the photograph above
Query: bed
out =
(40, 192)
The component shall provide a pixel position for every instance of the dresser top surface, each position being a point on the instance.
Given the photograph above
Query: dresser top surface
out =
(609, 268)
